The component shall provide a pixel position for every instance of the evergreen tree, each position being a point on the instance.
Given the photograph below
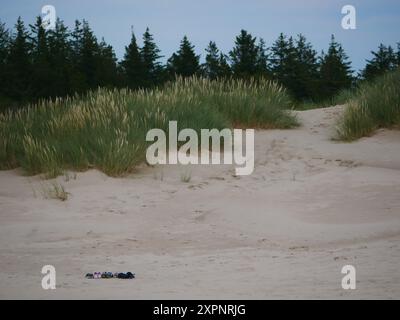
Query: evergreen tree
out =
(225, 70)
(284, 62)
(94, 64)
(106, 63)
(42, 75)
(383, 60)
(279, 58)
(398, 54)
(87, 61)
(4, 43)
(262, 60)
(39, 35)
(4, 47)
(306, 70)
(78, 81)
(335, 71)
(76, 40)
(61, 55)
(244, 56)
(184, 62)
(292, 69)
(132, 65)
(150, 54)
(216, 65)
(19, 74)
(211, 66)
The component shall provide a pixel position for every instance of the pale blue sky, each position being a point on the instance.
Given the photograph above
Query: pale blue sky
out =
(221, 20)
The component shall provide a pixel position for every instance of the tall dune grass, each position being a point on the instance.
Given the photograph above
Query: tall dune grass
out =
(106, 129)
(343, 97)
(375, 105)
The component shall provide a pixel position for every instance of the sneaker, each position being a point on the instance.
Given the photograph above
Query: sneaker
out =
(107, 275)
(128, 275)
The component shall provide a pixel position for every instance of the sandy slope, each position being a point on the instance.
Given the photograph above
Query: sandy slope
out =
(311, 206)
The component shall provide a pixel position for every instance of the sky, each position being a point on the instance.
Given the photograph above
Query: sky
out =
(378, 21)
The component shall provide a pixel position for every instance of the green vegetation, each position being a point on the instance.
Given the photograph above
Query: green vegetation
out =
(37, 64)
(384, 60)
(375, 105)
(343, 97)
(106, 129)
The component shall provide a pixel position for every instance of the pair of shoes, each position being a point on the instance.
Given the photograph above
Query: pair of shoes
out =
(96, 275)
(109, 275)
(128, 275)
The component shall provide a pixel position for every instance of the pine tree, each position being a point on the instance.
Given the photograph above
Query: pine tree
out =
(19, 65)
(284, 63)
(306, 70)
(61, 57)
(76, 40)
(89, 49)
(398, 54)
(39, 40)
(42, 76)
(94, 64)
(384, 60)
(106, 63)
(335, 71)
(184, 62)
(132, 65)
(279, 58)
(262, 60)
(225, 70)
(78, 80)
(150, 55)
(216, 65)
(4, 43)
(211, 66)
(86, 57)
(4, 48)
(291, 68)
(244, 56)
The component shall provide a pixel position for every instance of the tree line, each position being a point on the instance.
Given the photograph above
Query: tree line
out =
(36, 63)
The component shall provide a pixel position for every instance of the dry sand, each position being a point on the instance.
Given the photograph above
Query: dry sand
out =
(311, 206)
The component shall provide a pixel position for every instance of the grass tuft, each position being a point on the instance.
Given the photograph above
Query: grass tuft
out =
(375, 105)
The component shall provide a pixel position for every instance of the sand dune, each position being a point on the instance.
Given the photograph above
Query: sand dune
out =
(311, 206)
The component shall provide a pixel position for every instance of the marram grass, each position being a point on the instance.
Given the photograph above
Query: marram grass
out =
(375, 105)
(106, 129)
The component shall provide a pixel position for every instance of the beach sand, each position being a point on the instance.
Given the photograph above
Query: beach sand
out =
(311, 206)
